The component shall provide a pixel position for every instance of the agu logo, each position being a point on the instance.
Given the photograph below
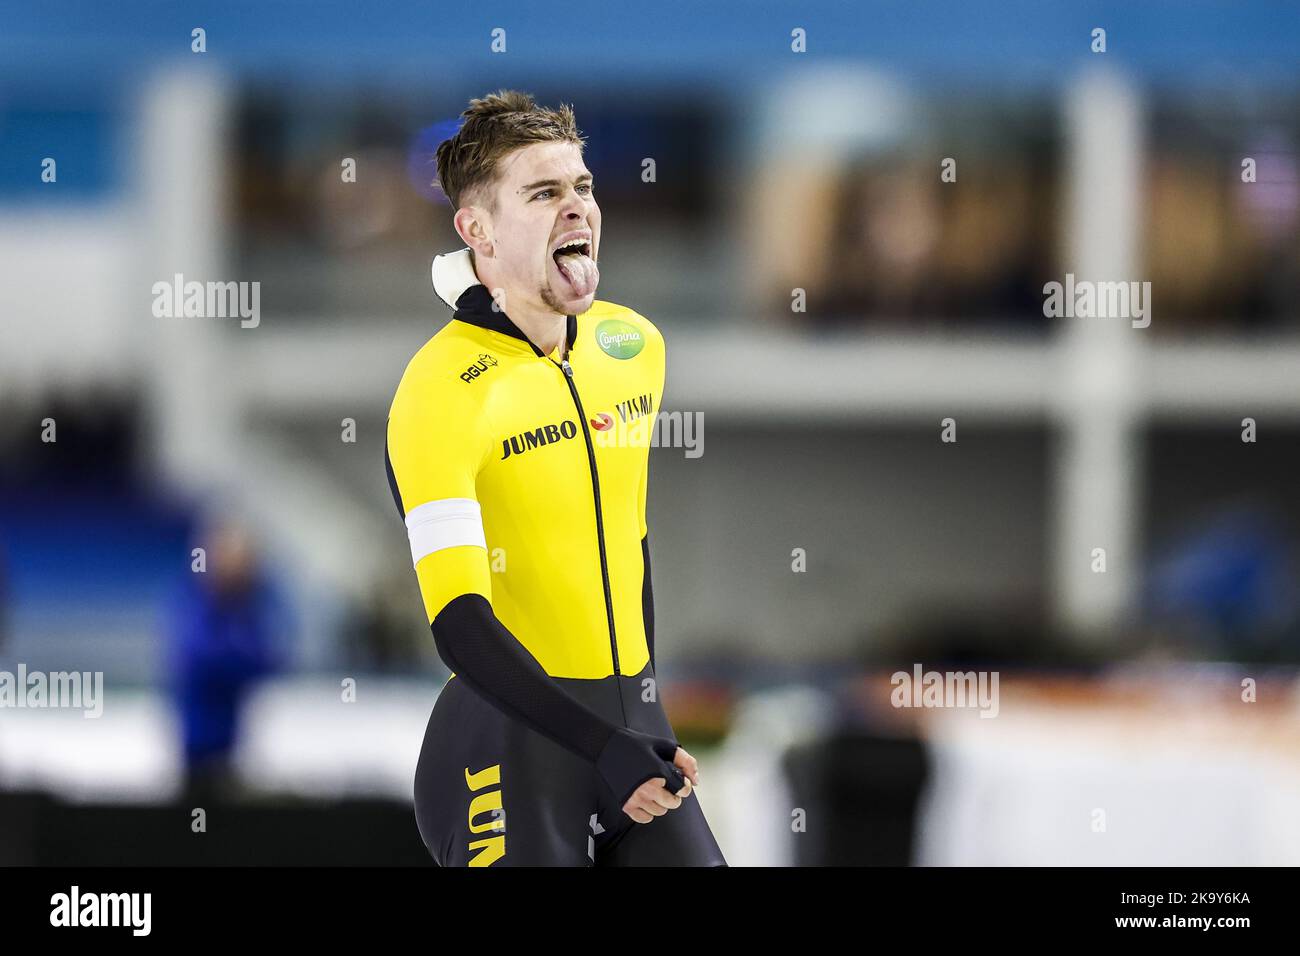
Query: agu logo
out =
(485, 362)
(602, 422)
(619, 339)
(487, 803)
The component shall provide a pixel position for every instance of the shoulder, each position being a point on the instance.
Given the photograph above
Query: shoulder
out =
(435, 375)
(601, 311)
(610, 318)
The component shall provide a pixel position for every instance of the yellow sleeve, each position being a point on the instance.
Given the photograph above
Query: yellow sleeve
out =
(435, 450)
(656, 339)
(641, 496)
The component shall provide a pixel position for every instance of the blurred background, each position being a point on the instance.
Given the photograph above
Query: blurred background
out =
(828, 302)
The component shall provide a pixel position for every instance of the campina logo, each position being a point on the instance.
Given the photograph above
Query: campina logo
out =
(619, 339)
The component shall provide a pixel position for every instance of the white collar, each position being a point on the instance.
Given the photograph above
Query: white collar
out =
(453, 273)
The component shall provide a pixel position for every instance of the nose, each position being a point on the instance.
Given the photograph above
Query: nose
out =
(574, 206)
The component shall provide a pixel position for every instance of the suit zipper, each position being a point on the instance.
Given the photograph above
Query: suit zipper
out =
(600, 521)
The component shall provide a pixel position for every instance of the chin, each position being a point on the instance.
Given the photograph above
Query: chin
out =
(578, 306)
(569, 306)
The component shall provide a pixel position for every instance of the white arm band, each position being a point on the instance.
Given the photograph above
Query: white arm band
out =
(445, 523)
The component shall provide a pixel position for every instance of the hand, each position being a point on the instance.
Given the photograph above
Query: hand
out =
(653, 799)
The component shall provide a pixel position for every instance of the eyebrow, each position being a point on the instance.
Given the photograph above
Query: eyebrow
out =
(585, 177)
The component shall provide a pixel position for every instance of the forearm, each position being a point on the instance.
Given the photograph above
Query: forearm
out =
(483, 653)
(480, 650)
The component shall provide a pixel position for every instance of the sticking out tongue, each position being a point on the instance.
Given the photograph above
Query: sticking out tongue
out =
(581, 272)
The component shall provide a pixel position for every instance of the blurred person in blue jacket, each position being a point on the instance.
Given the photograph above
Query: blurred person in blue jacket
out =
(225, 628)
(4, 598)
(1227, 584)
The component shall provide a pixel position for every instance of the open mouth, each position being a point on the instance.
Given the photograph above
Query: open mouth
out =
(579, 247)
(573, 260)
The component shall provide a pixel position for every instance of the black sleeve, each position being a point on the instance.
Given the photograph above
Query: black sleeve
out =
(483, 653)
(648, 600)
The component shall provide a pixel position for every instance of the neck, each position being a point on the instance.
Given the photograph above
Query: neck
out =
(546, 329)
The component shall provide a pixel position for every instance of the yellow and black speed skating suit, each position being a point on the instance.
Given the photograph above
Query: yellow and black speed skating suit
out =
(522, 481)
